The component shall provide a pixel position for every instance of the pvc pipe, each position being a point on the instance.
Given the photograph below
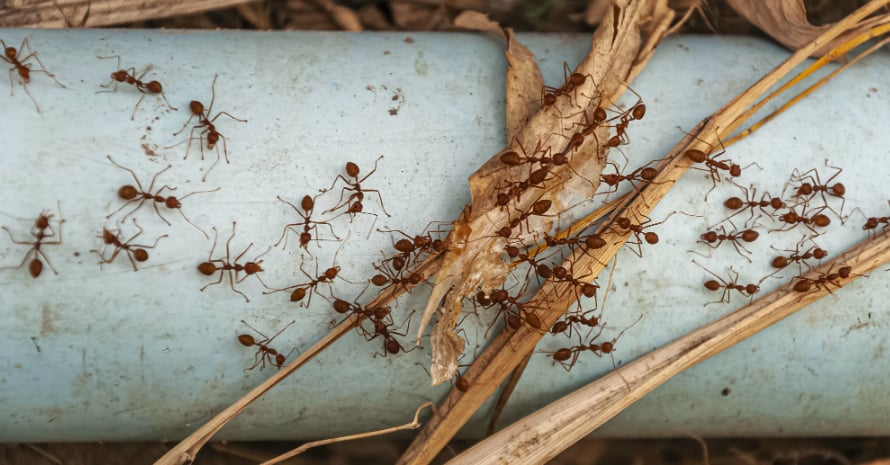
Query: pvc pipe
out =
(111, 354)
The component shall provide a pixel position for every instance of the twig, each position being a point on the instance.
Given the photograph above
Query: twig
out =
(414, 424)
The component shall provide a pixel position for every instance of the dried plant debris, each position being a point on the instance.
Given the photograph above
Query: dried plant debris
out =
(787, 22)
(565, 127)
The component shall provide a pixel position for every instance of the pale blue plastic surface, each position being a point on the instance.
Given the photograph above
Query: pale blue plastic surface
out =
(112, 354)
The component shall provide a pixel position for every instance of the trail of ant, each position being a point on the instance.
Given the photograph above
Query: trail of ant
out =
(13, 56)
(354, 203)
(307, 205)
(41, 230)
(264, 351)
(135, 252)
(207, 127)
(230, 267)
(128, 76)
(131, 194)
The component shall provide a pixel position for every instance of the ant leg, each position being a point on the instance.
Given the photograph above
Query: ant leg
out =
(133, 115)
(206, 173)
(227, 114)
(380, 197)
(232, 285)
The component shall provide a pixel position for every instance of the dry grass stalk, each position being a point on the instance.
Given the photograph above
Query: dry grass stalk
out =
(510, 348)
(576, 415)
(187, 449)
(64, 13)
(413, 424)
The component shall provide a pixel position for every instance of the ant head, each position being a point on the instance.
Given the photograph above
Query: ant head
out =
(352, 169)
(331, 272)
(207, 268)
(549, 99)
(844, 271)
(589, 290)
(776, 203)
(819, 254)
(606, 347)
(356, 207)
(752, 289)
(42, 221)
(196, 107)
(804, 189)
(392, 346)
(300, 293)
(155, 87)
(735, 170)
(10, 52)
(307, 204)
(253, 267)
(559, 271)
(415, 278)
(246, 340)
(838, 190)
(107, 236)
(502, 199)
(622, 222)
(119, 75)
(279, 360)
(599, 115)
(172, 202)
(512, 251)
(127, 192)
(381, 312)
(482, 299)
(35, 267)
(140, 255)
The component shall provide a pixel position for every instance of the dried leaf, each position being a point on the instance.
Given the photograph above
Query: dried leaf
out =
(524, 83)
(786, 21)
(476, 21)
(478, 263)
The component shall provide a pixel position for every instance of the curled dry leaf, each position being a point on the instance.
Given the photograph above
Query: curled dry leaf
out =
(478, 264)
(786, 21)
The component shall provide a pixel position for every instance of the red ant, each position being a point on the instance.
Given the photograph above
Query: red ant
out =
(572, 81)
(391, 345)
(747, 290)
(644, 174)
(264, 352)
(713, 239)
(713, 166)
(301, 290)
(135, 252)
(208, 132)
(625, 225)
(41, 230)
(133, 194)
(538, 208)
(750, 202)
(781, 262)
(561, 274)
(516, 188)
(307, 205)
(871, 223)
(129, 76)
(12, 56)
(354, 203)
(812, 184)
(635, 112)
(388, 277)
(805, 284)
(565, 325)
(607, 347)
(231, 268)
(792, 219)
